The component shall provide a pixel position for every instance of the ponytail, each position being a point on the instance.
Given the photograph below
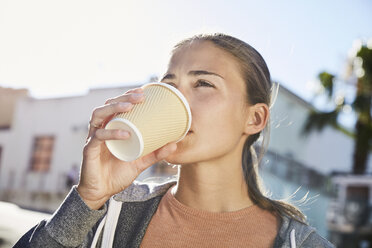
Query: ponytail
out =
(252, 179)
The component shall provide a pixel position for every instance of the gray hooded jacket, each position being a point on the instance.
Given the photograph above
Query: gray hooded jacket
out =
(123, 221)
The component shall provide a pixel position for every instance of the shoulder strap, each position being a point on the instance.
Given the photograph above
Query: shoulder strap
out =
(98, 232)
(108, 224)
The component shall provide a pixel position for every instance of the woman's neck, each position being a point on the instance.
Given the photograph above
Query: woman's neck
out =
(213, 187)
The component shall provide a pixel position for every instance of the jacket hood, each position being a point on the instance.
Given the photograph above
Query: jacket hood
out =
(138, 191)
(292, 233)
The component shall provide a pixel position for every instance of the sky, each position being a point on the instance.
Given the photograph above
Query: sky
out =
(63, 48)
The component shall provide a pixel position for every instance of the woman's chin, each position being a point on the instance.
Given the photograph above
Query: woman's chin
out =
(172, 159)
(176, 158)
(183, 154)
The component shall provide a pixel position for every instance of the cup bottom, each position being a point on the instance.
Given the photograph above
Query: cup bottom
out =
(129, 149)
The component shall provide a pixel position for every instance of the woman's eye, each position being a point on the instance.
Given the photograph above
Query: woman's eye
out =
(203, 83)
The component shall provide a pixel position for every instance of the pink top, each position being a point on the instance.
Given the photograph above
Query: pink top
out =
(177, 225)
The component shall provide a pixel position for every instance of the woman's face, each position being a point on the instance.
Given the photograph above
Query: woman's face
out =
(210, 80)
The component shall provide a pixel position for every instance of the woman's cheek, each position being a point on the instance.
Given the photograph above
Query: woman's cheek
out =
(206, 98)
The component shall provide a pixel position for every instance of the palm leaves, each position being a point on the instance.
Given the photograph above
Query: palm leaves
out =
(361, 65)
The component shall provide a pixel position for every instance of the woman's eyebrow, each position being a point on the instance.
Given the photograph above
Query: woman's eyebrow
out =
(193, 73)
(168, 76)
(201, 72)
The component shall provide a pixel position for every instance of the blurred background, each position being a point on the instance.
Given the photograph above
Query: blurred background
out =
(61, 59)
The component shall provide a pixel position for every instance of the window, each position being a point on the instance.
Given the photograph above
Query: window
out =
(42, 153)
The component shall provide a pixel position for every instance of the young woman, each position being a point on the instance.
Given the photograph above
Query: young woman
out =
(216, 200)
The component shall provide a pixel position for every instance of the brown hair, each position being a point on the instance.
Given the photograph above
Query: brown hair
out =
(258, 89)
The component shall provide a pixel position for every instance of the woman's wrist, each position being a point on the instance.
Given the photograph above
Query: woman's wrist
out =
(92, 202)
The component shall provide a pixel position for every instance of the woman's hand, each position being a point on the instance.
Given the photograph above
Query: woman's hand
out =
(102, 174)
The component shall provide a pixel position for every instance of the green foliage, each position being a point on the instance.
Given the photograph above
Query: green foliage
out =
(361, 105)
(326, 80)
(319, 120)
(365, 54)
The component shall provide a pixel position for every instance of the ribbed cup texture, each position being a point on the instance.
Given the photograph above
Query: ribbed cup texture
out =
(161, 118)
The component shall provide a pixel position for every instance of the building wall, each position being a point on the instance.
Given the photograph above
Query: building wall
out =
(324, 151)
(8, 100)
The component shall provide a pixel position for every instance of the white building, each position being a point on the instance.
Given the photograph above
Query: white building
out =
(326, 151)
(46, 138)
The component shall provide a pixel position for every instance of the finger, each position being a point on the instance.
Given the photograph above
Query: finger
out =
(101, 135)
(101, 114)
(135, 90)
(131, 91)
(128, 92)
(156, 156)
(166, 150)
(135, 97)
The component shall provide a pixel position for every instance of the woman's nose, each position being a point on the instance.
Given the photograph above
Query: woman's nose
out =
(186, 94)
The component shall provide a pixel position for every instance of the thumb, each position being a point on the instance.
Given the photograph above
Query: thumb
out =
(156, 156)
(165, 151)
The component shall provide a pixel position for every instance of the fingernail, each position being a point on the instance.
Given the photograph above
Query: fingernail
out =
(124, 134)
(137, 96)
(125, 104)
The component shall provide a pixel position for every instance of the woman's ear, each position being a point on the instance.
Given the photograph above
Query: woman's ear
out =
(257, 118)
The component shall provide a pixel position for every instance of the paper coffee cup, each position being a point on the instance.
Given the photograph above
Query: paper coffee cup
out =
(164, 116)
